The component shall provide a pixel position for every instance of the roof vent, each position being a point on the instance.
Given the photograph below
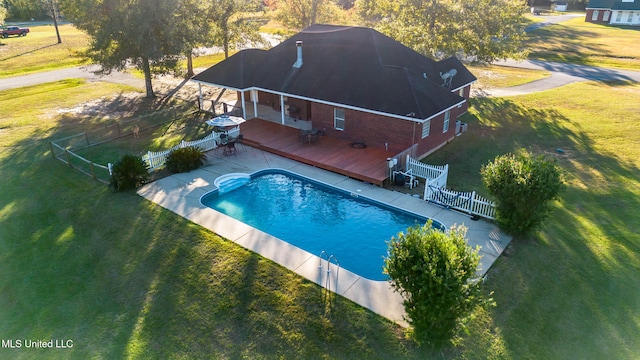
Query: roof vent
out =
(298, 63)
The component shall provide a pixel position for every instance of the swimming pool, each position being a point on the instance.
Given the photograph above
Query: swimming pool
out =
(317, 217)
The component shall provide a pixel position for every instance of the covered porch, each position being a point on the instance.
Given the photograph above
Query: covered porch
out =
(366, 164)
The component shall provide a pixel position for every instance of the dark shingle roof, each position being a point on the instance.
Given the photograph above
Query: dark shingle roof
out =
(352, 66)
(614, 4)
(626, 5)
(600, 4)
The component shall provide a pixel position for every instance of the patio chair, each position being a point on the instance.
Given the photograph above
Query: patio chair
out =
(230, 148)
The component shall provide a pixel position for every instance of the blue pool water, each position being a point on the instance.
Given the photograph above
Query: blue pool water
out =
(317, 217)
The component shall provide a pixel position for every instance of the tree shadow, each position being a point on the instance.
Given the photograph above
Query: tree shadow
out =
(122, 277)
(26, 52)
(569, 289)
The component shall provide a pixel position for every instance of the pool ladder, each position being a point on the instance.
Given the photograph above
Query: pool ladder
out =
(328, 259)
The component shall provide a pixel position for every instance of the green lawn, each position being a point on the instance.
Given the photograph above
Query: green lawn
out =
(572, 291)
(123, 277)
(40, 51)
(580, 42)
(493, 76)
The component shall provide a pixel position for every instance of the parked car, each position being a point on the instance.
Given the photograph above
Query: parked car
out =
(13, 30)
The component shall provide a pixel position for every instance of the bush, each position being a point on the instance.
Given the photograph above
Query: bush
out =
(185, 159)
(522, 186)
(434, 271)
(129, 173)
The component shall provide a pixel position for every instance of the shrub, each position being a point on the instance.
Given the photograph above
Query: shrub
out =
(129, 173)
(522, 186)
(434, 271)
(185, 159)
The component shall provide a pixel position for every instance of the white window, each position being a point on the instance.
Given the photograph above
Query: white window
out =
(630, 17)
(461, 92)
(338, 118)
(606, 15)
(426, 127)
(619, 16)
(447, 117)
(594, 15)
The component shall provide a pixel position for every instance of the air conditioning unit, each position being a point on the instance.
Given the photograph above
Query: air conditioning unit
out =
(460, 127)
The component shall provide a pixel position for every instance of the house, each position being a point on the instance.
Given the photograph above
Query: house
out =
(614, 12)
(352, 83)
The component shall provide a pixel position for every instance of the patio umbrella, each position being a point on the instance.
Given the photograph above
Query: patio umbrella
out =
(224, 121)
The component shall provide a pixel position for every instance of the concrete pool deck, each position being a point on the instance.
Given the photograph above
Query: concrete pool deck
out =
(181, 194)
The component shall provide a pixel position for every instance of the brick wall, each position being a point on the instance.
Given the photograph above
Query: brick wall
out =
(376, 130)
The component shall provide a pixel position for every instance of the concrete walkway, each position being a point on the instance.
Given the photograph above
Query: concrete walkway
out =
(181, 194)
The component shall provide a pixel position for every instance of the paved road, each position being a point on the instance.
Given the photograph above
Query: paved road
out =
(561, 74)
(69, 73)
(550, 20)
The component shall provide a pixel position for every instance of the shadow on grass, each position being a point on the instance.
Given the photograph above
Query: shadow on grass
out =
(122, 277)
(26, 52)
(573, 291)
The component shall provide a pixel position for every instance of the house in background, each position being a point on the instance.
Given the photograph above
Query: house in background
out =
(614, 12)
(353, 83)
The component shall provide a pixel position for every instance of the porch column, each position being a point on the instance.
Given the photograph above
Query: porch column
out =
(244, 109)
(254, 96)
(282, 108)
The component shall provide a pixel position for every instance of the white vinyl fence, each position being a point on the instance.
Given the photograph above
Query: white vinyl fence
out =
(468, 202)
(435, 190)
(156, 160)
(434, 175)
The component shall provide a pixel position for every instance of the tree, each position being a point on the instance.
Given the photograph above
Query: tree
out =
(195, 28)
(523, 187)
(3, 14)
(26, 9)
(434, 271)
(143, 33)
(483, 30)
(299, 14)
(53, 11)
(231, 28)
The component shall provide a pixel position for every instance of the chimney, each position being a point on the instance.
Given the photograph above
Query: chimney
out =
(298, 63)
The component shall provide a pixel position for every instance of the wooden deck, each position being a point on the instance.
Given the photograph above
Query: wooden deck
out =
(368, 164)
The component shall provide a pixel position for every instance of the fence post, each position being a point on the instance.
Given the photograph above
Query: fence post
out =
(86, 138)
(66, 154)
(51, 146)
(472, 202)
(93, 173)
(175, 116)
(149, 160)
(118, 127)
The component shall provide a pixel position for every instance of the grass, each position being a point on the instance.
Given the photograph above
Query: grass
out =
(122, 277)
(492, 76)
(579, 42)
(37, 120)
(570, 291)
(84, 263)
(40, 51)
